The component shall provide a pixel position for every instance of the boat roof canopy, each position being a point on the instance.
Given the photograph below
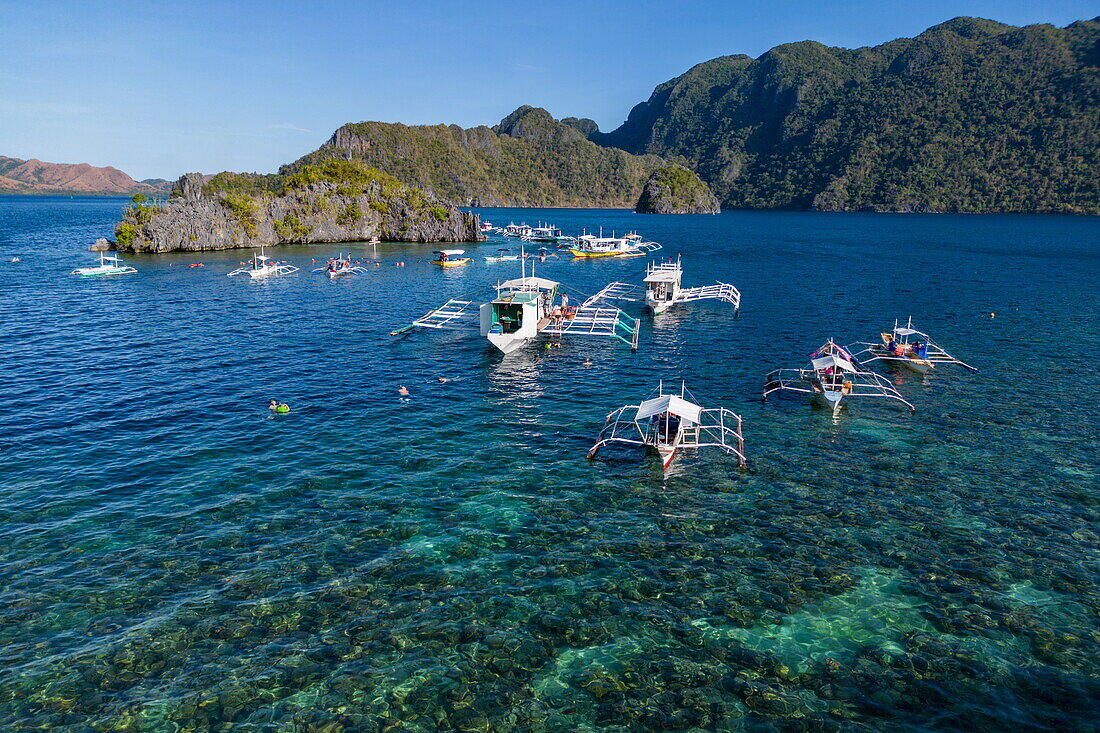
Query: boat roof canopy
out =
(530, 282)
(449, 252)
(662, 276)
(829, 360)
(672, 404)
(902, 331)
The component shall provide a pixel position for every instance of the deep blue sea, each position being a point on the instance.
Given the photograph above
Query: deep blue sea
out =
(175, 558)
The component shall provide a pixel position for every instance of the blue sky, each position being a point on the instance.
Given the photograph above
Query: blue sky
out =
(161, 88)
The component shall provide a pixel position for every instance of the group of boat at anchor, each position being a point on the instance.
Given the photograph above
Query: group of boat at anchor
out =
(520, 310)
(584, 245)
(837, 373)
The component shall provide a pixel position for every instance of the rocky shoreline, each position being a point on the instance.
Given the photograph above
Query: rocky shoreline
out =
(337, 203)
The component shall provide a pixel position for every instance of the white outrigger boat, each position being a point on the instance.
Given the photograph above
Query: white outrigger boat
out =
(908, 347)
(341, 265)
(668, 422)
(515, 230)
(664, 288)
(525, 308)
(263, 266)
(501, 257)
(487, 227)
(108, 265)
(632, 245)
(832, 375)
(546, 234)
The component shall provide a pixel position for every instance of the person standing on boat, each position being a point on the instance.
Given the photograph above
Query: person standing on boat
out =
(565, 304)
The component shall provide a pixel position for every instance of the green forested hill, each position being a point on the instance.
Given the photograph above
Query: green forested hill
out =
(971, 115)
(529, 159)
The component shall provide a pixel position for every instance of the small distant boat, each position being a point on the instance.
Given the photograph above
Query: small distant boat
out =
(906, 346)
(449, 258)
(107, 266)
(263, 266)
(666, 423)
(502, 257)
(340, 265)
(14, 259)
(832, 376)
(374, 240)
(632, 245)
(544, 233)
(487, 227)
(515, 230)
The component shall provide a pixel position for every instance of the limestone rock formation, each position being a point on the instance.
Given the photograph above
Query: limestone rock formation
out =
(674, 189)
(337, 201)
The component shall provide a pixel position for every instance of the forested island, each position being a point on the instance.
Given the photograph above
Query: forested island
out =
(969, 116)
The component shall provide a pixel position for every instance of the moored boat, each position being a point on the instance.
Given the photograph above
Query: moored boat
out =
(262, 266)
(450, 257)
(667, 422)
(108, 265)
(907, 347)
(832, 376)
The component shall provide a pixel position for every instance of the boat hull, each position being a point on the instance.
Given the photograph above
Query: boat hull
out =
(451, 263)
(507, 342)
(658, 306)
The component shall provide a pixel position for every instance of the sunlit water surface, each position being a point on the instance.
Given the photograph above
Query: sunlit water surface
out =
(175, 558)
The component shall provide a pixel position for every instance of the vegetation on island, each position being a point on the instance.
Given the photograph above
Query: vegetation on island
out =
(969, 116)
(673, 189)
(529, 159)
(334, 200)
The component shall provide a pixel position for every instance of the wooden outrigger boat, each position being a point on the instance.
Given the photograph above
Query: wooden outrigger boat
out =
(668, 422)
(108, 265)
(262, 266)
(632, 245)
(501, 257)
(908, 347)
(450, 258)
(663, 288)
(340, 265)
(515, 230)
(525, 308)
(547, 234)
(832, 376)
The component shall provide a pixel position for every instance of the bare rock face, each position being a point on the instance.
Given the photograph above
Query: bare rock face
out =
(673, 189)
(101, 245)
(319, 211)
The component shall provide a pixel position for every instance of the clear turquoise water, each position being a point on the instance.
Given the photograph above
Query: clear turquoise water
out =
(173, 558)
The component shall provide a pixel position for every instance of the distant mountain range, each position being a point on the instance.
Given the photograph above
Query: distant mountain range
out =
(37, 177)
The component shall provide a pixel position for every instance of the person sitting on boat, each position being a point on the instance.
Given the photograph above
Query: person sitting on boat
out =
(892, 346)
(921, 350)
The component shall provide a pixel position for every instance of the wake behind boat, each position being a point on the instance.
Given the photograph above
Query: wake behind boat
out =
(108, 265)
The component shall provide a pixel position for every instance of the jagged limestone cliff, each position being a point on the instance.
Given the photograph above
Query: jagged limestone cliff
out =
(336, 201)
(971, 115)
(673, 189)
(529, 159)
